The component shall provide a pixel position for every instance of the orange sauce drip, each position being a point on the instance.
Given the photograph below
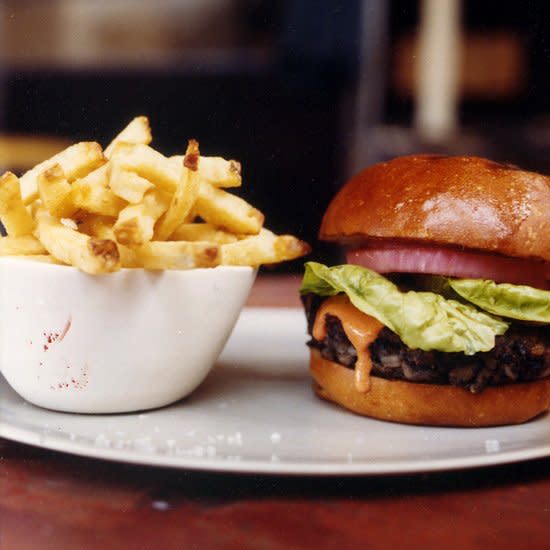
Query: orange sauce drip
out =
(361, 330)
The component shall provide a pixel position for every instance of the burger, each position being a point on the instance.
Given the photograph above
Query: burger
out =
(441, 315)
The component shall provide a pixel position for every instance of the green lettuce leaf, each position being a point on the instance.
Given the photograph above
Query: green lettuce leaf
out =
(422, 320)
(515, 301)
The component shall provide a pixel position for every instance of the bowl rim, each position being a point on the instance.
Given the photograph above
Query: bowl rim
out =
(37, 264)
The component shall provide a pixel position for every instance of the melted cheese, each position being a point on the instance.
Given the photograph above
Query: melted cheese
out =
(361, 330)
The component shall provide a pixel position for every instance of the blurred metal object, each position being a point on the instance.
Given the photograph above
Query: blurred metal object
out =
(371, 87)
(2, 77)
(374, 54)
(437, 65)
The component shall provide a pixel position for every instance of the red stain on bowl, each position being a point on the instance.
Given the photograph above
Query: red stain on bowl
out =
(52, 337)
(78, 383)
(66, 328)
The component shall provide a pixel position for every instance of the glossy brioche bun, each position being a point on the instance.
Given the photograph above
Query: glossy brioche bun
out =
(460, 201)
(429, 404)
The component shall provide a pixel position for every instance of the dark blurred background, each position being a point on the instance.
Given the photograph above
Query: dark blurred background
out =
(303, 92)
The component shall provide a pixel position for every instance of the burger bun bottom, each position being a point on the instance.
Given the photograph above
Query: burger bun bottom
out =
(429, 404)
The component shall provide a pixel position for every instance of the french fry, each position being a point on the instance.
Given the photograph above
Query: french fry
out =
(97, 226)
(76, 161)
(96, 178)
(265, 248)
(102, 228)
(135, 223)
(90, 254)
(21, 246)
(131, 206)
(137, 131)
(216, 171)
(127, 185)
(129, 257)
(55, 192)
(203, 232)
(221, 208)
(220, 172)
(177, 255)
(95, 199)
(185, 195)
(13, 214)
(70, 223)
(149, 164)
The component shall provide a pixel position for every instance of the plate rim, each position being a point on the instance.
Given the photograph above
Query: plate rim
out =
(59, 442)
(228, 466)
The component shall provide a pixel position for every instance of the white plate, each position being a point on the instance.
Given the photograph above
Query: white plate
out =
(256, 413)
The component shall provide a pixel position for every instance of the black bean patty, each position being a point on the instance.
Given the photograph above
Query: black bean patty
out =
(521, 354)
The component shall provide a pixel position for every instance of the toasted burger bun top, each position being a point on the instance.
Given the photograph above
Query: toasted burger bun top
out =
(459, 201)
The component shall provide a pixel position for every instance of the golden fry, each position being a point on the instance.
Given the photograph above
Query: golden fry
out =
(13, 214)
(97, 226)
(203, 232)
(95, 199)
(135, 223)
(55, 192)
(265, 248)
(96, 178)
(20, 246)
(220, 172)
(102, 228)
(149, 164)
(185, 195)
(216, 171)
(127, 185)
(90, 254)
(131, 206)
(177, 255)
(221, 208)
(76, 161)
(137, 131)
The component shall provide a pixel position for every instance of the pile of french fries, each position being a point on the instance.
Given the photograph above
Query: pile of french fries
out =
(130, 206)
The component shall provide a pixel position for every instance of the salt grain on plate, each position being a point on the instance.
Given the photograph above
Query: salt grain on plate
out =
(144, 444)
(492, 446)
(102, 441)
(210, 450)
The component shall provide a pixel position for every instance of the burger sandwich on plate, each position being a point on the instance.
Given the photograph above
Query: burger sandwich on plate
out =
(441, 315)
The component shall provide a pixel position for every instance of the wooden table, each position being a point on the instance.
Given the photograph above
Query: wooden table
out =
(53, 500)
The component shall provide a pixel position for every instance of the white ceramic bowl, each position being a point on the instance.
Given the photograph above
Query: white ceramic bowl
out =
(122, 342)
